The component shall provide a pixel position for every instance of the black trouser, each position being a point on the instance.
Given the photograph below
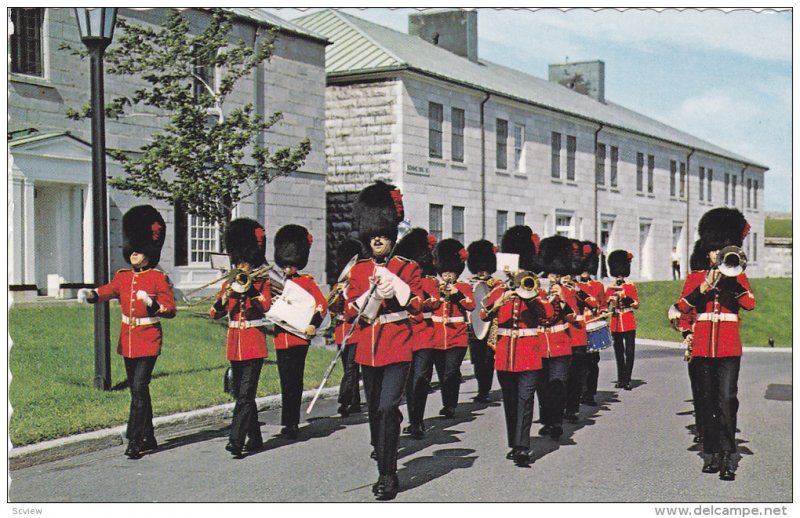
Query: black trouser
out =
(624, 353)
(291, 365)
(575, 378)
(140, 419)
(245, 412)
(383, 387)
(419, 383)
(482, 357)
(592, 374)
(448, 370)
(720, 385)
(518, 390)
(349, 391)
(697, 395)
(552, 389)
(676, 271)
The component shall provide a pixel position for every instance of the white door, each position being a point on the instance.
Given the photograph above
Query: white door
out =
(58, 222)
(645, 261)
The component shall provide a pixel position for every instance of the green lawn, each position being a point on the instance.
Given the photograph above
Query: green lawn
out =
(52, 368)
(52, 360)
(778, 227)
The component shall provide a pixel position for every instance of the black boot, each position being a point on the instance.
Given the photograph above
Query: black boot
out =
(254, 444)
(712, 463)
(344, 410)
(149, 444)
(291, 431)
(545, 430)
(387, 490)
(234, 448)
(727, 469)
(510, 455)
(572, 417)
(522, 457)
(556, 432)
(134, 449)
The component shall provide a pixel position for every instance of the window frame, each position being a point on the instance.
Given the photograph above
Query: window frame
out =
(204, 226)
(457, 127)
(709, 179)
(701, 177)
(16, 49)
(682, 181)
(600, 164)
(501, 224)
(457, 216)
(519, 218)
(614, 167)
(640, 172)
(435, 208)
(572, 150)
(651, 167)
(555, 155)
(558, 229)
(501, 144)
(519, 148)
(435, 129)
(673, 181)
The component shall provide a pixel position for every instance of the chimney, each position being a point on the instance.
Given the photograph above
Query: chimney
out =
(454, 30)
(586, 77)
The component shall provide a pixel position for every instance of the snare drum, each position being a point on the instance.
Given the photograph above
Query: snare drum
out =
(599, 335)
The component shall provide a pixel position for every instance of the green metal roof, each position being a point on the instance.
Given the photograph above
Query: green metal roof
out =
(360, 46)
(263, 17)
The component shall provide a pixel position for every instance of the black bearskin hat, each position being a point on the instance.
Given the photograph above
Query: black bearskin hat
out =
(555, 255)
(576, 257)
(521, 240)
(292, 244)
(418, 245)
(377, 211)
(143, 231)
(591, 257)
(449, 256)
(699, 259)
(482, 256)
(722, 227)
(246, 242)
(345, 251)
(619, 263)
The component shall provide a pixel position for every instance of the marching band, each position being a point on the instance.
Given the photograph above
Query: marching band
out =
(402, 307)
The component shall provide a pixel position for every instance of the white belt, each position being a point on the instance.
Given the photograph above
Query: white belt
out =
(139, 321)
(624, 310)
(246, 324)
(718, 317)
(449, 320)
(427, 315)
(555, 329)
(391, 317)
(579, 318)
(501, 331)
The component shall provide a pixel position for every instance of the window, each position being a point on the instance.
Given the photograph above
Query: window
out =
(435, 119)
(203, 239)
(26, 42)
(555, 155)
(677, 229)
(457, 137)
(639, 172)
(502, 224)
(710, 177)
(435, 220)
(673, 170)
(502, 144)
(458, 223)
(651, 166)
(614, 161)
(600, 164)
(205, 75)
(519, 148)
(727, 185)
(702, 178)
(755, 194)
(564, 225)
(755, 248)
(749, 188)
(519, 218)
(683, 181)
(733, 189)
(606, 226)
(572, 145)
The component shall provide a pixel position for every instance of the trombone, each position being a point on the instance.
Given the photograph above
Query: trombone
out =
(239, 280)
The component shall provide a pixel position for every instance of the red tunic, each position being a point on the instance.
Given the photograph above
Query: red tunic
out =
(556, 331)
(518, 346)
(388, 338)
(140, 332)
(577, 328)
(285, 339)
(595, 298)
(247, 337)
(421, 323)
(622, 318)
(716, 326)
(450, 318)
(342, 326)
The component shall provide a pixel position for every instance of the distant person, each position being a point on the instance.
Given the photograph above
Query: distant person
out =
(676, 264)
(623, 299)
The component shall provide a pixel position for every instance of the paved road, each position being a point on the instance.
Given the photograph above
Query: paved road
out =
(635, 447)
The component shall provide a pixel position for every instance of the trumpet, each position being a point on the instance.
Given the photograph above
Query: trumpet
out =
(336, 292)
(444, 288)
(731, 261)
(525, 283)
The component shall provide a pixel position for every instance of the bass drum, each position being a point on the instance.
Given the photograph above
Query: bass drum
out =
(479, 328)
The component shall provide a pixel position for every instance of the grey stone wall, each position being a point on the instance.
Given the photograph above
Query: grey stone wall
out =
(777, 257)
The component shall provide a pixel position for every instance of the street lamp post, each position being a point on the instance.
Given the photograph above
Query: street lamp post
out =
(96, 26)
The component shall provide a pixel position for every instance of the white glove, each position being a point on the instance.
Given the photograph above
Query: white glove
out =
(83, 295)
(144, 297)
(385, 289)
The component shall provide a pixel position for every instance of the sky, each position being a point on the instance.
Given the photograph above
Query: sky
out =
(723, 76)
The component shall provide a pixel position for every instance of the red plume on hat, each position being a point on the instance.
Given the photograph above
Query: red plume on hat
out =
(721, 227)
(377, 211)
(245, 242)
(482, 256)
(619, 263)
(143, 231)
(447, 256)
(417, 245)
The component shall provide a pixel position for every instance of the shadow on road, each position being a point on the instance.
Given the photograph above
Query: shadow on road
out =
(422, 470)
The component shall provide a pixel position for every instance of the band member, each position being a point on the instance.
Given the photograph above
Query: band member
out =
(622, 300)
(592, 293)
(292, 246)
(245, 300)
(554, 260)
(417, 246)
(454, 302)
(517, 312)
(717, 346)
(385, 291)
(349, 392)
(482, 263)
(145, 296)
(580, 303)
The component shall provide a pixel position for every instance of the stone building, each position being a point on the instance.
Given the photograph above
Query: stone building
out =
(49, 183)
(477, 147)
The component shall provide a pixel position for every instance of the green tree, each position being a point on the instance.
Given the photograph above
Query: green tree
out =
(198, 159)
